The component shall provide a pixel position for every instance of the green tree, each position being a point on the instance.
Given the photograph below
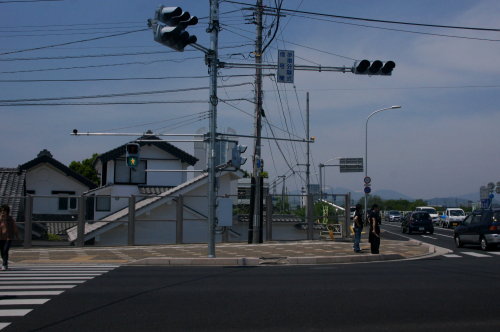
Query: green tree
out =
(86, 168)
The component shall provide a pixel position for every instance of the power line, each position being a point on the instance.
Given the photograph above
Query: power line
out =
(373, 20)
(73, 42)
(126, 94)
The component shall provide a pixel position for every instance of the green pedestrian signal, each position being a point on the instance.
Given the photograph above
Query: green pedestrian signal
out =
(132, 155)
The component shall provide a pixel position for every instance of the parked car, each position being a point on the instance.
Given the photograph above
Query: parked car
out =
(482, 227)
(432, 211)
(417, 221)
(393, 216)
(452, 217)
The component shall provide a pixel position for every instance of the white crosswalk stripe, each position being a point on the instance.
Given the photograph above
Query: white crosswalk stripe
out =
(461, 254)
(23, 287)
(475, 254)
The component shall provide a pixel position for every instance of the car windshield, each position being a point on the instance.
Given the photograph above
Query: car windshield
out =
(394, 213)
(421, 216)
(429, 210)
(457, 213)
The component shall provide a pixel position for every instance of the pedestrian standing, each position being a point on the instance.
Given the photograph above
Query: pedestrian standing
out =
(375, 221)
(8, 232)
(358, 227)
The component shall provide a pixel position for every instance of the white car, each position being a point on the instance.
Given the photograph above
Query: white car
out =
(452, 217)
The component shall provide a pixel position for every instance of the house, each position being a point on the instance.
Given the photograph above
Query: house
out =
(156, 183)
(55, 188)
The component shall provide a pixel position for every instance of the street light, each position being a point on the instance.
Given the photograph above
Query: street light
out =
(366, 146)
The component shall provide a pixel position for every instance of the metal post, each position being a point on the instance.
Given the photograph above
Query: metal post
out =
(309, 217)
(269, 218)
(347, 219)
(28, 221)
(131, 220)
(212, 58)
(179, 220)
(80, 229)
(257, 163)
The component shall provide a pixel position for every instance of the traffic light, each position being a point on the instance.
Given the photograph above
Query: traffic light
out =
(377, 67)
(132, 155)
(236, 159)
(173, 34)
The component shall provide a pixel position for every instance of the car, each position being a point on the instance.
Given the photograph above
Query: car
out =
(482, 227)
(432, 211)
(452, 217)
(393, 216)
(417, 221)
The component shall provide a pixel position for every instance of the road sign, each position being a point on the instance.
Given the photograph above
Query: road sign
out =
(286, 59)
(351, 165)
(367, 179)
(368, 190)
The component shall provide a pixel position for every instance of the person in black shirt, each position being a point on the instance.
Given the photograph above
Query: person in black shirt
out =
(375, 221)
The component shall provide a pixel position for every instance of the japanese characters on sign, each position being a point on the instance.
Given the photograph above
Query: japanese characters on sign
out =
(285, 66)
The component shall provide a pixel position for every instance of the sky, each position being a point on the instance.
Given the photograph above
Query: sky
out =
(442, 142)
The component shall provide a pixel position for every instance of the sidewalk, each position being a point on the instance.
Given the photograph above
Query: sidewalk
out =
(228, 254)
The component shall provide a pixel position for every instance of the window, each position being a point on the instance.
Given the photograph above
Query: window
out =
(67, 203)
(103, 203)
(126, 175)
(476, 219)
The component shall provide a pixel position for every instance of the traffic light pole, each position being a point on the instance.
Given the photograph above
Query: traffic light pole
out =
(212, 58)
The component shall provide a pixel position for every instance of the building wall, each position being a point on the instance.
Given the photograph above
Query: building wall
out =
(43, 180)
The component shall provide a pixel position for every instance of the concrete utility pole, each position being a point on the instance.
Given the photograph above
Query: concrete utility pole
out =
(212, 58)
(257, 161)
(309, 218)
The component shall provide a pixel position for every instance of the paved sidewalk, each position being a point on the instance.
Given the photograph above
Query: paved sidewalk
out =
(230, 254)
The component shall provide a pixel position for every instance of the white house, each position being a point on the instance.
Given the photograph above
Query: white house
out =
(53, 185)
(156, 195)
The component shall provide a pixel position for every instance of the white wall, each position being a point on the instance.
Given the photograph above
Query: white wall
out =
(43, 179)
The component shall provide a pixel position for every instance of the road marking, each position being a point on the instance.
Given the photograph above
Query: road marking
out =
(37, 287)
(494, 252)
(31, 293)
(429, 237)
(14, 312)
(23, 301)
(40, 282)
(3, 325)
(452, 256)
(475, 254)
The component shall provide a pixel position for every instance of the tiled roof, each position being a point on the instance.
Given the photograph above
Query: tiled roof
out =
(120, 151)
(46, 157)
(153, 190)
(12, 189)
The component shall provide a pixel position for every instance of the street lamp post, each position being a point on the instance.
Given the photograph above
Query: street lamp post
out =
(366, 146)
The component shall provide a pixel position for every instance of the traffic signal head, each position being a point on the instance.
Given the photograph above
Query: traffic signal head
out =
(236, 159)
(377, 67)
(173, 34)
(132, 155)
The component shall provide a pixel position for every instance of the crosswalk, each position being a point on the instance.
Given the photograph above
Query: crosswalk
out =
(22, 288)
(461, 254)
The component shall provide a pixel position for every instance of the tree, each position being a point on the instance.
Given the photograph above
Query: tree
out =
(86, 168)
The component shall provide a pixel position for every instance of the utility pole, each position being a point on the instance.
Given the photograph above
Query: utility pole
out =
(212, 58)
(309, 218)
(256, 219)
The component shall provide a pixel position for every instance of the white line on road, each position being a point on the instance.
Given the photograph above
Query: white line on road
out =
(475, 254)
(41, 282)
(37, 287)
(31, 293)
(494, 252)
(3, 325)
(429, 237)
(23, 301)
(14, 312)
(452, 256)
(45, 278)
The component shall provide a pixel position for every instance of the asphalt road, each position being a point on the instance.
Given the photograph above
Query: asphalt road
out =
(455, 293)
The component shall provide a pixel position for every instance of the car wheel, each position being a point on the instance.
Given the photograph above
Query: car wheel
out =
(458, 242)
(484, 244)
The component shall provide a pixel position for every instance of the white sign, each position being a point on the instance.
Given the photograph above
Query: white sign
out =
(285, 66)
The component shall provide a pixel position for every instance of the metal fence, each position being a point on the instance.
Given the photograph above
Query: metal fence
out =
(126, 220)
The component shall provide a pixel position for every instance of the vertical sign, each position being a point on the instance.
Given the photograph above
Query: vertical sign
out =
(285, 66)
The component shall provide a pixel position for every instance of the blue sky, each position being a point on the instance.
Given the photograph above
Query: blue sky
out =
(443, 142)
